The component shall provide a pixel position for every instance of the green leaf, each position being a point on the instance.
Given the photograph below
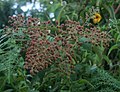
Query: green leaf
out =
(50, 38)
(85, 81)
(9, 90)
(110, 9)
(64, 90)
(99, 51)
(107, 59)
(2, 82)
(60, 14)
(2, 67)
(113, 48)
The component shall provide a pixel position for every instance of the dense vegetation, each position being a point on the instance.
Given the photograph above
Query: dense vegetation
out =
(76, 50)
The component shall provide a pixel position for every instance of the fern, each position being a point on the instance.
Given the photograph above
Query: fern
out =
(106, 90)
(10, 59)
(104, 82)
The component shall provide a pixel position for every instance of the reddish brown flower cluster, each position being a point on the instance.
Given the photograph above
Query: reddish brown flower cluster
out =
(93, 34)
(53, 44)
(16, 21)
(43, 53)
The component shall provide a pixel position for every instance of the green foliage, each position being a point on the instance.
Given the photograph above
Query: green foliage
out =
(103, 81)
(4, 8)
(10, 61)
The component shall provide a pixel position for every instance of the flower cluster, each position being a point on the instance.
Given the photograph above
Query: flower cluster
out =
(16, 21)
(93, 34)
(43, 51)
(53, 44)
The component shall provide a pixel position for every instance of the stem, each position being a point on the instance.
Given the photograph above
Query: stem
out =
(117, 9)
(97, 3)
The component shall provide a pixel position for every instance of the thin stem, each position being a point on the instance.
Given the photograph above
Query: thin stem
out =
(117, 9)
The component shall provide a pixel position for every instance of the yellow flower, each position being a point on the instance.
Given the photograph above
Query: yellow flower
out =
(96, 18)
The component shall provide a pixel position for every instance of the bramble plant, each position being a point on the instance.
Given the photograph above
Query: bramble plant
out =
(65, 55)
